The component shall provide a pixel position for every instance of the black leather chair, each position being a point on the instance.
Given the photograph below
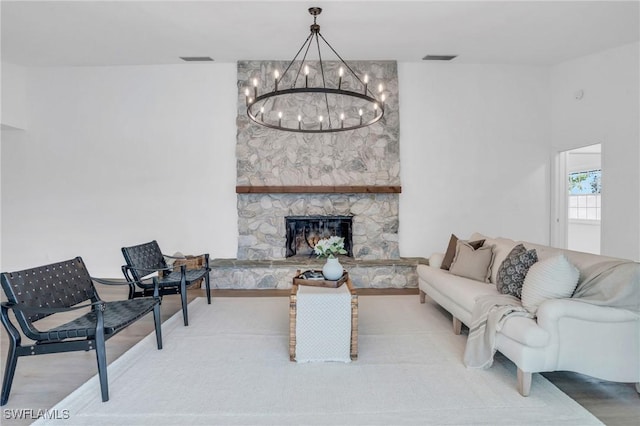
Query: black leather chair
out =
(36, 293)
(145, 259)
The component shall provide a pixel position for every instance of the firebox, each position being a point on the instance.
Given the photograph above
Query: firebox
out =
(303, 232)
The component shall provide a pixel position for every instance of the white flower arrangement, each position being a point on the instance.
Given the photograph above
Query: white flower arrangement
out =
(330, 247)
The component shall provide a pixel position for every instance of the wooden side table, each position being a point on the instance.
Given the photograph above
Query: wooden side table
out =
(293, 310)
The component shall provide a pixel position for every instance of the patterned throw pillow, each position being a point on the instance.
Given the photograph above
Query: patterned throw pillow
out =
(514, 269)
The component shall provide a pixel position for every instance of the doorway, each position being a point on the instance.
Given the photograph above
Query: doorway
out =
(583, 183)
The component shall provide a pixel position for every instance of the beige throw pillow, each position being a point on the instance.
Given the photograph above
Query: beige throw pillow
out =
(472, 263)
(451, 251)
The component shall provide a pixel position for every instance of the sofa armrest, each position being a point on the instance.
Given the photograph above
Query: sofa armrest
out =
(552, 310)
(583, 335)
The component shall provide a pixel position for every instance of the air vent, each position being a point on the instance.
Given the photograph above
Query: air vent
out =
(439, 57)
(196, 58)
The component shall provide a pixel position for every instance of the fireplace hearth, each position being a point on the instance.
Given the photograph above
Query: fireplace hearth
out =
(303, 232)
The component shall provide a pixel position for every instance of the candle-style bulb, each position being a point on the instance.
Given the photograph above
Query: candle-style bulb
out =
(360, 113)
(276, 73)
(306, 76)
(279, 118)
(306, 70)
(375, 107)
(246, 92)
(246, 95)
(320, 118)
(383, 98)
(261, 113)
(342, 116)
(366, 78)
(380, 88)
(299, 121)
(299, 117)
(279, 114)
(255, 82)
(342, 119)
(340, 72)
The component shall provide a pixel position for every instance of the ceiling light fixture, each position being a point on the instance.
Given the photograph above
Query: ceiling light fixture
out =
(345, 104)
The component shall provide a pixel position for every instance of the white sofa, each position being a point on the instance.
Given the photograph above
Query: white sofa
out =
(567, 335)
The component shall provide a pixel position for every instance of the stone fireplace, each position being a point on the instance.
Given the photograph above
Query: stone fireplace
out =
(353, 176)
(263, 229)
(304, 232)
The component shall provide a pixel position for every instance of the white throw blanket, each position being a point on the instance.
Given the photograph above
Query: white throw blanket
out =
(487, 318)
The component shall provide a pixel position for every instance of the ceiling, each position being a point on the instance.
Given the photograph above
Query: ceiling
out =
(104, 33)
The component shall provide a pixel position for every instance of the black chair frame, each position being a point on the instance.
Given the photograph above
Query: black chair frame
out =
(146, 259)
(36, 293)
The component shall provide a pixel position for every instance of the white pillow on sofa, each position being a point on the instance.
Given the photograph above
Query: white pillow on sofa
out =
(435, 260)
(552, 278)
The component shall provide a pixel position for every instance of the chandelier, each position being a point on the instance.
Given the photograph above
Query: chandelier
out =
(339, 103)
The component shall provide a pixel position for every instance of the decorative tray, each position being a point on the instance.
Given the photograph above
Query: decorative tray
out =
(315, 278)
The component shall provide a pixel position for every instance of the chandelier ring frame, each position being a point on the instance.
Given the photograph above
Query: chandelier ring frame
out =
(297, 90)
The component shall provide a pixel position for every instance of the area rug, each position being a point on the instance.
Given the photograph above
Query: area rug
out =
(231, 366)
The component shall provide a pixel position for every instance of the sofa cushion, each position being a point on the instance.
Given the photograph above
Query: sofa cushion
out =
(451, 250)
(472, 263)
(460, 291)
(513, 269)
(552, 278)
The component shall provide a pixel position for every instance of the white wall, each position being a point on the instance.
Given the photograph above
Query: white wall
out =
(13, 117)
(608, 113)
(474, 153)
(118, 156)
(13, 96)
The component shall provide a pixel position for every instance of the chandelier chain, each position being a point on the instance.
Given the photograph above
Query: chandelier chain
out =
(294, 59)
(324, 83)
(304, 58)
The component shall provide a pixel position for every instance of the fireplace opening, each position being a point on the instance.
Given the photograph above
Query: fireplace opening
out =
(303, 232)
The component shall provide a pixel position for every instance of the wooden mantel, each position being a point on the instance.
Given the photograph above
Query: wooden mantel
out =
(316, 189)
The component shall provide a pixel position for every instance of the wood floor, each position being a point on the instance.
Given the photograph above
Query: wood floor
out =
(42, 381)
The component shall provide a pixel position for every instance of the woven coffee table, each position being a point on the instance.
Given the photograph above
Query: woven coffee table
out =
(323, 323)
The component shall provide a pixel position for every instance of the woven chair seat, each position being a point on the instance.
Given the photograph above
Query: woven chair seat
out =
(117, 315)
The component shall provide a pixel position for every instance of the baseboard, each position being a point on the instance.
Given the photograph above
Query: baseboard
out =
(271, 292)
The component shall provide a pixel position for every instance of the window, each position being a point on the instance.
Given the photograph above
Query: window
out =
(584, 195)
